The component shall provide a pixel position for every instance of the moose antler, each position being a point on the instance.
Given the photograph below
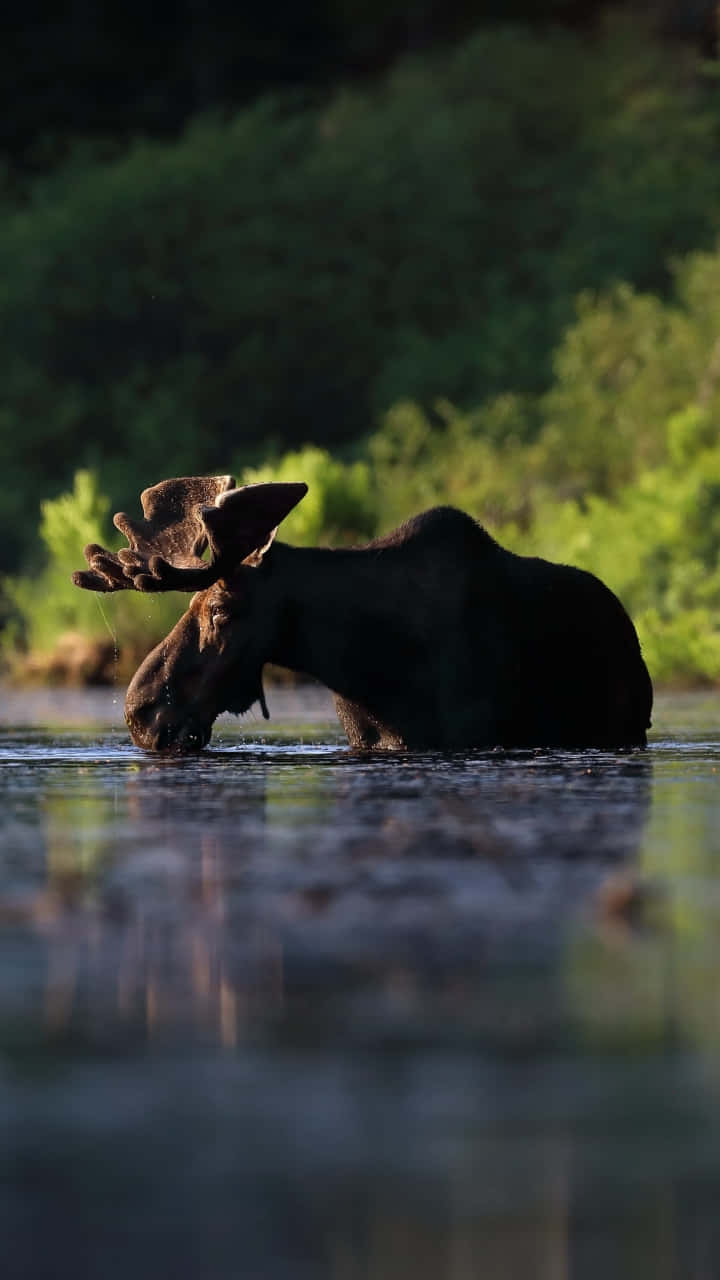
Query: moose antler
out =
(181, 519)
(168, 542)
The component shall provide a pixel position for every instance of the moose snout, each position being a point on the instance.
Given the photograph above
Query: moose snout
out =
(162, 708)
(162, 723)
(156, 728)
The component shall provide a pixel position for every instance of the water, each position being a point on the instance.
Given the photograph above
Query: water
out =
(288, 1011)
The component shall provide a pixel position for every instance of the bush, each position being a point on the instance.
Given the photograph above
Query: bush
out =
(340, 506)
(49, 611)
(479, 460)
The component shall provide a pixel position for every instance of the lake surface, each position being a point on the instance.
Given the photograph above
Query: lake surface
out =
(286, 1011)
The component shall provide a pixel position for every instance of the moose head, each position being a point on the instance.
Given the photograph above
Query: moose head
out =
(212, 659)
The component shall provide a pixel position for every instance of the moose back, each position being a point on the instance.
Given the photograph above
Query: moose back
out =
(432, 637)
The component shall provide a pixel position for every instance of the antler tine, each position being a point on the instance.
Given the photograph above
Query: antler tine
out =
(181, 518)
(165, 548)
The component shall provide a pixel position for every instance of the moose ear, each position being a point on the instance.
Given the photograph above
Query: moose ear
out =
(242, 524)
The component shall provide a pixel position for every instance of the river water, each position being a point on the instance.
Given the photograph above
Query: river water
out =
(286, 1011)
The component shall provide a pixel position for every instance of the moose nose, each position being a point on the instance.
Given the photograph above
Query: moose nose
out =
(156, 729)
(183, 739)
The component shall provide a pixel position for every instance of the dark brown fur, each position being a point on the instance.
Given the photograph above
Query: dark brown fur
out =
(433, 637)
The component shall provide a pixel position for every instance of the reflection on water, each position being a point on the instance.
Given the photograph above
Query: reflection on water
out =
(287, 1011)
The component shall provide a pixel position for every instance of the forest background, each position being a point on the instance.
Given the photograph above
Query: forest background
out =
(410, 254)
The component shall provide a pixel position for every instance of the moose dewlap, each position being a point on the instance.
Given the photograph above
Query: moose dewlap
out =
(432, 637)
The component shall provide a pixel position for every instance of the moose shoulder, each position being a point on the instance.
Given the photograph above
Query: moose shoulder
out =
(434, 636)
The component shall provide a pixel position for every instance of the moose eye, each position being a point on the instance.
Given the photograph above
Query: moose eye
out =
(218, 615)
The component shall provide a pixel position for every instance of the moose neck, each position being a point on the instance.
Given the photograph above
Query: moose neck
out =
(341, 617)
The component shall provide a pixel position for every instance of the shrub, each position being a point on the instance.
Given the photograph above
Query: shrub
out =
(340, 505)
(47, 607)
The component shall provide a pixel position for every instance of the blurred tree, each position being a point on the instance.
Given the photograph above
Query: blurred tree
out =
(285, 276)
(118, 69)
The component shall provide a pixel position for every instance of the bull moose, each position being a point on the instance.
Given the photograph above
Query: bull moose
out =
(434, 636)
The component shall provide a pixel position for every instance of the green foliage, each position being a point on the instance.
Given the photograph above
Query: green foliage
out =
(115, 72)
(47, 602)
(339, 506)
(46, 606)
(289, 274)
(476, 265)
(618, 372)
(476, 460)
(628, 363)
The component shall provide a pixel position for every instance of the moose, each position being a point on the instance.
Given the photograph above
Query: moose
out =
(433, 637)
